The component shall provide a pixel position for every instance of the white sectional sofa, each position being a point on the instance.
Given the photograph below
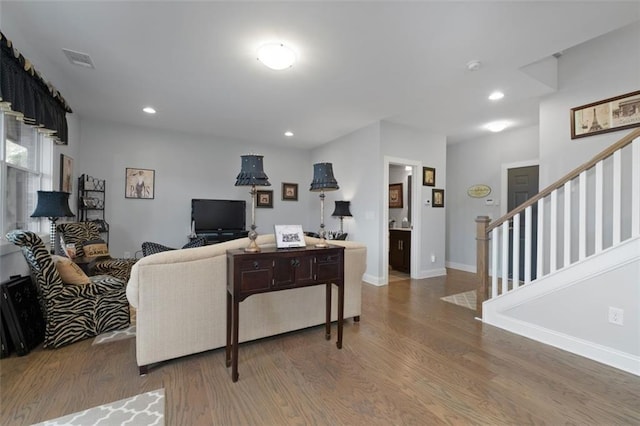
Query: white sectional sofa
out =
(180, 301)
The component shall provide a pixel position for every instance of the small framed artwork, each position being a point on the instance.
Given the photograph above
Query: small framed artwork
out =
(437, 197)
(289, 191)
(264, 199)
(395, 196)
(428, 176)
(289, 236)
(609, 115)
(140, 183)
(66, 173)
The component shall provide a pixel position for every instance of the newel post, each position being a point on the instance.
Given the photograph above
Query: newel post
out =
(482, 261)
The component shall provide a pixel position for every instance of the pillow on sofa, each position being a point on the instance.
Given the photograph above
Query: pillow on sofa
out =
(149, 248)
(94, 249)
(69, 271)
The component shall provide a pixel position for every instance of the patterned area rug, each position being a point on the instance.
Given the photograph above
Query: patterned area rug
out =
(140, 410)
(466, 299)
(113, 336)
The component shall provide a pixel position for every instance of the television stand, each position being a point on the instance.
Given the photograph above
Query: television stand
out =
(214, 237)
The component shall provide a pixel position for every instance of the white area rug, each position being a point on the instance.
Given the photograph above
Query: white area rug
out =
(466, 299)
(112, 336)
(140, 410)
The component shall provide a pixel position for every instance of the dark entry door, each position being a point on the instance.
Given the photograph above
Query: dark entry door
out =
(522, 184)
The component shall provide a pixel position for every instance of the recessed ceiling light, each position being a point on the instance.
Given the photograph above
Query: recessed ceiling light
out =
(149, 110)
(497, 95)
(276, 56)
(288, 134)
(496, 126)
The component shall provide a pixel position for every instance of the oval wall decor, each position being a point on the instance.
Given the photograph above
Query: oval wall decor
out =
(479, 191)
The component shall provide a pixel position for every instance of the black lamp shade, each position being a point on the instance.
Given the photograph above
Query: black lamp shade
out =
(251, 172)
(323, 179)
(342, 209)
(52, 204)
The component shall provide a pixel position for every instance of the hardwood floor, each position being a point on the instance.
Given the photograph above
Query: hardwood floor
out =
(412, 359)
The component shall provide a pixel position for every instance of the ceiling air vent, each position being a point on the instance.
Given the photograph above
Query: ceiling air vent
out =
(78, 58)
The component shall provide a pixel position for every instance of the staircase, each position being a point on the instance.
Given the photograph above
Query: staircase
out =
(581, 246)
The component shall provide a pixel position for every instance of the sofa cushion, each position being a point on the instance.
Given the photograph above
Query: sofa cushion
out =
(94, 249)
(69, 271)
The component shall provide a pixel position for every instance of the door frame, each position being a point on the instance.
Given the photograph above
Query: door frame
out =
(505, 180)
(416, 215)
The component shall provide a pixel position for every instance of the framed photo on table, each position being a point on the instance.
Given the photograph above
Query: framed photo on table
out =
(288, 236)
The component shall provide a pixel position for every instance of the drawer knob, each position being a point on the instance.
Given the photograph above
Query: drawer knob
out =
(255, 264)
(295, 263)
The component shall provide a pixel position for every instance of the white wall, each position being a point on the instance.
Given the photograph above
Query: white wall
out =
(473, 162)
(430, 149)
(186, 167)
(599, 69)
(357, 168)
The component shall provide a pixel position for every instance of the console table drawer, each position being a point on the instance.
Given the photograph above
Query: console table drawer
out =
(255, 274)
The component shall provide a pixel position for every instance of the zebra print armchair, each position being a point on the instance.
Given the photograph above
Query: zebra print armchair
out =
(72, 312)
(78, 233)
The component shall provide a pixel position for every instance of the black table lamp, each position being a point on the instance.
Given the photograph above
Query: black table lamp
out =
(342, 211)
(54, 205)
(252, 174)
(323, 180)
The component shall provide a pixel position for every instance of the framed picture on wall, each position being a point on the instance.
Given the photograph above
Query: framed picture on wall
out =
(395, 196)
(289, 191)
(437, 197)
(608, 115)
(66, 173)
(264, 199)
(140, 183)
(428, 176)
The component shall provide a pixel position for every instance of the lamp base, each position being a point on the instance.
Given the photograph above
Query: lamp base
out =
(322, 243)
(253, 246)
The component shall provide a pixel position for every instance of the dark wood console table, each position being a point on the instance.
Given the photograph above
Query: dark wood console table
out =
(280, 269)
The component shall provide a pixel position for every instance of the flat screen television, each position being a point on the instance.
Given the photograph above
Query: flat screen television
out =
(218, 215)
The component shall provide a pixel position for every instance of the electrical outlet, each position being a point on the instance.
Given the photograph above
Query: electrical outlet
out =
(127, 254)
(433, 258)
(616, 315)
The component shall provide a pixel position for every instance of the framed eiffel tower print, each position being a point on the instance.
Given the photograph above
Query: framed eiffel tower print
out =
(609, 115)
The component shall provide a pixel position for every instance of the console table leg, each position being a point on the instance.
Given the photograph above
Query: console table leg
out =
(327, 324)
(235, 343)
(228, 347)
(340, 313)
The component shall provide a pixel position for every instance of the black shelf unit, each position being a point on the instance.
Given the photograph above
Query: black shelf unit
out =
(91, 203)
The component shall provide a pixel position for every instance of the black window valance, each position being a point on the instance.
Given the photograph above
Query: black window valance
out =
(25, 92)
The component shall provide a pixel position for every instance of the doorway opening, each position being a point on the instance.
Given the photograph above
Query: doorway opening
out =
(401, 220)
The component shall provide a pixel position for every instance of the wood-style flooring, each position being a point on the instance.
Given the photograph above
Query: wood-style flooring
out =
(413, 359)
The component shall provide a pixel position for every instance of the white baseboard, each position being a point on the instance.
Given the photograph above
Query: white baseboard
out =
(370, 279)
(605, 355)
(432, 273)
(461, 267)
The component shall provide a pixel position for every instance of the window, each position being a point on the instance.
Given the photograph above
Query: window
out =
(26, 156)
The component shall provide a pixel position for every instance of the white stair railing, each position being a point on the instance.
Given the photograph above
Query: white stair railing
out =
(593, 208)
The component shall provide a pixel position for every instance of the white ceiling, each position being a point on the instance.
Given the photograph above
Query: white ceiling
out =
(359, 62)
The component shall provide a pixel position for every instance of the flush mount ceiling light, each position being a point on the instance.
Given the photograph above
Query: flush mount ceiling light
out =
(495, 96)
(288, 134)
(496, 126)
(149, 110)
(276, 56)
(474, 65)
